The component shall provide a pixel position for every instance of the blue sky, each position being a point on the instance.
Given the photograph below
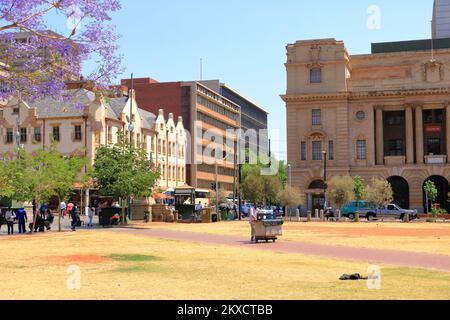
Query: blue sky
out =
(242, 42)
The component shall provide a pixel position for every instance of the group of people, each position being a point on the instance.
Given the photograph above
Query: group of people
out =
(72, 210)
(11, 216)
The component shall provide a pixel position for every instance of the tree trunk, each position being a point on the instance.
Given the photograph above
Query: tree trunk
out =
(38, 206)
(59, 214)
(123, 211)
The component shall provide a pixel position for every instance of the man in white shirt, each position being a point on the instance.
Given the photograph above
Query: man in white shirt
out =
(253, 218)
(62, 208)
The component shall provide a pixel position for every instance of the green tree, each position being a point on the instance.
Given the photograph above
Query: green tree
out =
(341, 190)
(253, 185)
(272, 187)
(123, 171)
(41, 176)
(359, 188)
(290, 197)
(431, 193)
(379, 192)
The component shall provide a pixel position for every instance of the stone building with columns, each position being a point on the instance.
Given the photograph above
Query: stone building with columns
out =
(384, 114)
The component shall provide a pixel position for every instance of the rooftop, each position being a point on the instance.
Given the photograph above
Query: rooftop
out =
(411, 45)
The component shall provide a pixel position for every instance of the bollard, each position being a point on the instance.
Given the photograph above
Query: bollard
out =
(357, 216)
(297, 214)
(322, 215)
(308, 216)
(317, 213)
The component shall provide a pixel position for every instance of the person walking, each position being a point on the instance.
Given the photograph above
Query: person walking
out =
(75, 212)
(252, 219)
(90, 214)
(199, 209)
(22, 218)
(69, 209)
(62, 208)
(10, 216)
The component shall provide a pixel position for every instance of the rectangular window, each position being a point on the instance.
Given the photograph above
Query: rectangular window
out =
(23, 135)
(331, 150)
(316, 117)
(16, 111)
(316, 75)
(56, 135)
(317, 150)
(395, 148)
(78, 135)
(303, 151)
(361, 149)
(109, 134)
(434, 146)
(9, 135)
(37, 134)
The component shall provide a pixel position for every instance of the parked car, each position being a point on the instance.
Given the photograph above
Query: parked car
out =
(371, 212)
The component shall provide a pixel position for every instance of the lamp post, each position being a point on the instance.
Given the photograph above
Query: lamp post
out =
(325, 186)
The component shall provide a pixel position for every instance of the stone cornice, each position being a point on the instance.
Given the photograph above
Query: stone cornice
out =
(364, 94)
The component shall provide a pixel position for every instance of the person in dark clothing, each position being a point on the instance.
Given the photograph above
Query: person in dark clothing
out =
(22, 218)
(75, 217)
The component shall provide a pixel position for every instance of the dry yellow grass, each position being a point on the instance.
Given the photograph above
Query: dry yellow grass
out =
(415, 237)
(35, 267)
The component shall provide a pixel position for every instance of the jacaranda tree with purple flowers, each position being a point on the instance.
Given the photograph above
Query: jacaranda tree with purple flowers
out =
(36, 61)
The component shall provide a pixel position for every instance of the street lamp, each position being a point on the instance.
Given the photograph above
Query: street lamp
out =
(325, 186)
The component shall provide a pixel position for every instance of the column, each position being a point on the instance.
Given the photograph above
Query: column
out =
(379, 135)
(409, 135)
(447, 128)
(419, 134)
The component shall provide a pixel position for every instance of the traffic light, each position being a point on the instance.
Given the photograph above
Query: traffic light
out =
(213, 186)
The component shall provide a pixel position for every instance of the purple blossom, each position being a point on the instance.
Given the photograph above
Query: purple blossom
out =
(37, 62)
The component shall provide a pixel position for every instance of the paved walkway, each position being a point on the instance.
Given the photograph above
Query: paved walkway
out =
(393, 257)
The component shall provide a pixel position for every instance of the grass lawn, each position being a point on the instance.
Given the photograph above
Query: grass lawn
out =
(115, 265)
(416, 237)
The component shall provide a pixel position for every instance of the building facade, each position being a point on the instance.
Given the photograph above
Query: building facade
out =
(385, 114)
(80, 131)
(254, 121)
(441, 19)
(202, 109)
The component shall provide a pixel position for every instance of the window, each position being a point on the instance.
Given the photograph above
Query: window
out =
(56, 135)
(9, 135)
(303, 151)
(16, 111)
(78, 133)
(434, 146)
(361, 149)
(316, 117)
(395, 118)
(317, 150)
(360, 115)
(331, 150)
(316, 75)
(3, 86)
(395, 148)
(433, 116)
(23, 135)
(110, 136)
(37, 134)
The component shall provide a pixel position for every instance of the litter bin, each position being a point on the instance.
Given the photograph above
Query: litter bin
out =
(214, 217)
